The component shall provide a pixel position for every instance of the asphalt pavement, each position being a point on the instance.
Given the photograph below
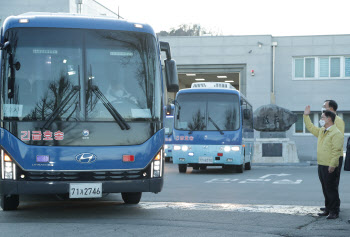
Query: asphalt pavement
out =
(265, 201)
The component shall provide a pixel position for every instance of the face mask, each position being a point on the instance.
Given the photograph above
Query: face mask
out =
(322, 122)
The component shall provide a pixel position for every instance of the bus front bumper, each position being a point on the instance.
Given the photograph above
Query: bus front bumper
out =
(14, 187)
(208, 154)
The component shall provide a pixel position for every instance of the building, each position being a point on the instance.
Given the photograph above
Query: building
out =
(291, 72)
(88, 7)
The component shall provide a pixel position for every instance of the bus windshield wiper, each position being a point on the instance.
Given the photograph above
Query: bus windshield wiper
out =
(61, 106)
(191, 131)
(169, 134)
(216, 126)
(117, 117)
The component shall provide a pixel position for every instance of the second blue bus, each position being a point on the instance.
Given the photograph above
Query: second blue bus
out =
(213, 126)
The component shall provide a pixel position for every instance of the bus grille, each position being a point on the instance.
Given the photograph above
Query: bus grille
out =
(83, 176)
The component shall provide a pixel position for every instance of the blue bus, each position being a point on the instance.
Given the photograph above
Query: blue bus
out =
(213, 126)
(81, 107)
(168, 124)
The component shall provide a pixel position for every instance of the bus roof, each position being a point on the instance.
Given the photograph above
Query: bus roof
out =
(212, 90)
(209, 90)
(73, 21)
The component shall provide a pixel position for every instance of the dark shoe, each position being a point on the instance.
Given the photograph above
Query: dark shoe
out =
(332, 216)
(324, 209)
(325, 213)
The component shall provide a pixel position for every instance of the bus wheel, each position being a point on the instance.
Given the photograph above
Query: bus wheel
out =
(182, 168)
(131, 198)
(239, 168)
(167, 159)
(9, 202)
(247, 166)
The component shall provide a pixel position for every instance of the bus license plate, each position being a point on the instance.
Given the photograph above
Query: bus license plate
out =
(205, 160)
(85, 190)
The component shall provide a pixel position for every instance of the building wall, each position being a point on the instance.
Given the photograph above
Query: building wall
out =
(289, 93)
(16, 7)
(92, 8)
(229, 50)
(296, 94)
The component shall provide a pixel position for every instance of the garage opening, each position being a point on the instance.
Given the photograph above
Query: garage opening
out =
(235, 74)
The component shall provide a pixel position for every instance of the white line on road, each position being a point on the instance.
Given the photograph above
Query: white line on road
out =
(268, 175)
(278, 209)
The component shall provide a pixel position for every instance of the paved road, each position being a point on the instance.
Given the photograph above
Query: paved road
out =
(266, 201)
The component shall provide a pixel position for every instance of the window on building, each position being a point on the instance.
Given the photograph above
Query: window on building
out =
(335, 67)
(347, 67)
(325, 67)
(346, 118)
(299, 126)
(309, 67)
(299, 67)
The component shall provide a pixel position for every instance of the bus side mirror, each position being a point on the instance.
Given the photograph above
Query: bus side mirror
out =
(171, 75)
(246, 114)
(5, 45)
(170, 68)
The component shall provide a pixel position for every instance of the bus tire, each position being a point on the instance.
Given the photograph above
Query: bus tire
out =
(9, 202)
(247, 166)
(239, 168)
(167, 159)
(183, 168)
(131, 198)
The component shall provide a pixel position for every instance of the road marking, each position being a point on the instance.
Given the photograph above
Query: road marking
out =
(265, 176)
(224, 181)
(287, 181)
(277, 209)
(262, 180)
(254, 181)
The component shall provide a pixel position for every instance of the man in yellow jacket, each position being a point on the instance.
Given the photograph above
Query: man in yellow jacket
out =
(329, 145)
(332, 105)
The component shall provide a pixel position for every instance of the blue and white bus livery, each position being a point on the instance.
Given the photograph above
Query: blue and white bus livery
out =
(81, 107)
(213, 126)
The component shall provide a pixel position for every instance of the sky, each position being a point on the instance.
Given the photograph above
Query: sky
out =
(241, 17)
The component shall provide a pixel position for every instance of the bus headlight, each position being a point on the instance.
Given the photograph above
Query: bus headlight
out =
(157, 165)
(227, 148)
(235, 148)
(176, 147)
(8, 167)
(184, 148)
(166, 147)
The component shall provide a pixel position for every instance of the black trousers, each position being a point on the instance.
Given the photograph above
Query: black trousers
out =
(330, 184)
(340, 167)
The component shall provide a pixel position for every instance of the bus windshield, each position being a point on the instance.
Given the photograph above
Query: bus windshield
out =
(42, 67)
(207, 112)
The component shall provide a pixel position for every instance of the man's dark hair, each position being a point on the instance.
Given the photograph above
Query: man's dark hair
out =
(329, 113)
(332, 104)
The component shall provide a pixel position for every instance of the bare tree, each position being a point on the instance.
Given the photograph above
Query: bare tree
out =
(187, 30)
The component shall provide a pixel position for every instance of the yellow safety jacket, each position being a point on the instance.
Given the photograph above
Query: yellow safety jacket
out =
(329, 143)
